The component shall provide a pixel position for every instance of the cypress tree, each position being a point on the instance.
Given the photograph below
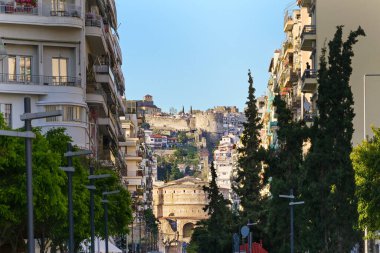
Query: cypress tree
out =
(213, 235)
(248, 182)
(284, 163)
(328, 178)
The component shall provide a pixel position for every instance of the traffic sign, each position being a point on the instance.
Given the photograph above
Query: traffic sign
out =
(244, 231)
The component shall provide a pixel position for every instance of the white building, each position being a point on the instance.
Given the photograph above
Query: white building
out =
(65, 54)
(224, 163)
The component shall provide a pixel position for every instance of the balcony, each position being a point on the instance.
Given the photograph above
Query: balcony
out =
(308, 37)
(97, 97)
(288, 22)
(305, 3)
(40, 80)
(96, 31)
(291, 78)
(104, 74)
(309, 81)
(109, 123)
(18, 13)
(273, 124)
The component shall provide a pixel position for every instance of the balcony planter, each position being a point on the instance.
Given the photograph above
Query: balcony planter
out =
(9, 8)
(27, 3)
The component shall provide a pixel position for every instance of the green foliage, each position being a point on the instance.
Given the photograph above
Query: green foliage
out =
(175, 174)
(168, 165)
(366, 162)
(182, 137)
(328, 185)
(248, 180)
(50, 193)
(216, 230)
(282, 173)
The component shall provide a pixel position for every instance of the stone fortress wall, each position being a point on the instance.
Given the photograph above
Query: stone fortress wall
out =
(208, 122)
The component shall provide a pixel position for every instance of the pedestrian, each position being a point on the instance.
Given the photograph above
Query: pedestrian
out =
(307, 73)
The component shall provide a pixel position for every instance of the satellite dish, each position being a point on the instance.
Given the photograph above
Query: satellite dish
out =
(3, 50)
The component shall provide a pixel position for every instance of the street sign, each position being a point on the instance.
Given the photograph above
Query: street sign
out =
(244, 231)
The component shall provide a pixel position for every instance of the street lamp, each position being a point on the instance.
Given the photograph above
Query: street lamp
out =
(364, 138)
(105, 202)
(92, 188)
(70, 170)
(292, 204)
(29, 135)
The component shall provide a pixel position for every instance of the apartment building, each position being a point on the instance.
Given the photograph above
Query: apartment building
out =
(323, 22)
(65, 55)
(141, 165)
(225, 162)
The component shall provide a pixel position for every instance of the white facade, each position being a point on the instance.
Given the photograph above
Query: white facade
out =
(225, 164)
(65, 55)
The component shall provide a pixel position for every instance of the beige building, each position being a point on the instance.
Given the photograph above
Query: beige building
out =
(178, 205)
(324, 20)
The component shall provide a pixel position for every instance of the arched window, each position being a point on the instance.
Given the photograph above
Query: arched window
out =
(188, 230)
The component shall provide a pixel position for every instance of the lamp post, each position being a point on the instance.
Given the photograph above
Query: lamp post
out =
(92, 188)
(365, 137)
(292, 204)
(69, 171)
(105, 202)
(29, 135)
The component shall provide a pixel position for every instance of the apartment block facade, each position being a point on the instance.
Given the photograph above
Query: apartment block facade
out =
(65, 55)
(293, 69)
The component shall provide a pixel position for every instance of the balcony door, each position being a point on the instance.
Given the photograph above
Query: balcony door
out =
(58, 8)
(20, 68)
(59, 71)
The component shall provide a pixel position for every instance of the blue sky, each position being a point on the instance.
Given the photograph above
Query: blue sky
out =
(197, 52)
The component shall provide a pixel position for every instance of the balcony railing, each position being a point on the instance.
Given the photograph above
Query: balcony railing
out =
(69, 10)
(309, 29)
(309, 73)
(40, 80)
(309, 117)
(94, 20)
(11, 8)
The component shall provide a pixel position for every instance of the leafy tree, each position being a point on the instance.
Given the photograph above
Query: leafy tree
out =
(248, 181)
(328, 186)
(51, 224)
(366, 162)
(216, 230)
(284, 163)
(182, 137)
(175, 174)
(12, 191)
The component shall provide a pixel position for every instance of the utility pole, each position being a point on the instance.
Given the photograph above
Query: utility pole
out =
(105, 202)
(291, 205)
(70, 171)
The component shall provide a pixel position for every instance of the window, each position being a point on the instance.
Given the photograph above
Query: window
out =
(59, 71)
(6, 110)
(12, 68)
(19, 68)
(57, 6)
(50, 108)
(70, 113)
(25, 68)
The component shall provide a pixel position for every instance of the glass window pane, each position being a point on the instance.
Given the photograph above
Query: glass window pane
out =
(12, 68)
(55, 70)
(63, 69)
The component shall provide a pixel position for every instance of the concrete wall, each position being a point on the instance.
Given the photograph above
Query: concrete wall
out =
(367, 52)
